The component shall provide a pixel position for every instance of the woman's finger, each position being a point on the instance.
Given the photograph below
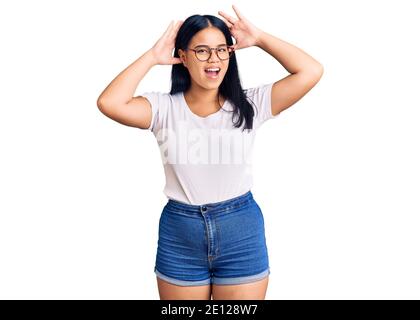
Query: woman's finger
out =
(171, 32)
(176, 29)
(170, 26)
(227, 23)
(227, 17)
(168, 30)
(240, 16)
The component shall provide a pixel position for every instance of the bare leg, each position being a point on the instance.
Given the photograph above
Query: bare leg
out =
(247, 291)
(168, 291)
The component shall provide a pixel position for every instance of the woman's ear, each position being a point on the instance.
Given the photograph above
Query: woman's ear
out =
(181, 54)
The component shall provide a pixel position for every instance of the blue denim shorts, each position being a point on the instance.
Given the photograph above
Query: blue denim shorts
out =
(220, 243)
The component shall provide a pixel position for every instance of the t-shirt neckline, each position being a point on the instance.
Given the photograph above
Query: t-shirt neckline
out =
(211, 115)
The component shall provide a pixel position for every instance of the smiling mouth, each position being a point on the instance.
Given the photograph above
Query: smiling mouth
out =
(212, 72)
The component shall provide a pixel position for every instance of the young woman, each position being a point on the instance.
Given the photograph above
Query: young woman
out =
(211, 231)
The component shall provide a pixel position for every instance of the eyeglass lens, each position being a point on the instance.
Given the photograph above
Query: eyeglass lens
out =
(203, 53)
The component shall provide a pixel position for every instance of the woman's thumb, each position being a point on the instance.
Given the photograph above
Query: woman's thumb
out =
(176, 60)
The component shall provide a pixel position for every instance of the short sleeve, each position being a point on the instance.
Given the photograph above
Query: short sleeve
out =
(261, 101)
(160, 104)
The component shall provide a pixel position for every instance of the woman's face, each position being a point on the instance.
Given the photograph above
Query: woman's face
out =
(213, 38)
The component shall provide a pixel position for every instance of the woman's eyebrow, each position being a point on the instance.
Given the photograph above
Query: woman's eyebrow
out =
(206, 45)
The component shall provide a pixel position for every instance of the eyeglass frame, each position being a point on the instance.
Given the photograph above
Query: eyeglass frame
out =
(211, 49)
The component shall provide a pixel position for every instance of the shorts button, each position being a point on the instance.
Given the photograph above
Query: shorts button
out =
(204, 208)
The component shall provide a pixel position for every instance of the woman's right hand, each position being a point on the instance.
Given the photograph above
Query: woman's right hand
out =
(162, 49)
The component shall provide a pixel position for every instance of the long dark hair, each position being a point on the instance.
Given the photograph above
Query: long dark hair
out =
(230, 88)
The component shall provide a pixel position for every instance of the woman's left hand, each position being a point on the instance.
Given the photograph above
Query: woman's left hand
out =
(244, 32)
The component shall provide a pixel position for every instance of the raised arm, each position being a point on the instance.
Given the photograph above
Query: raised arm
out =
(117, 101)
(305, 70)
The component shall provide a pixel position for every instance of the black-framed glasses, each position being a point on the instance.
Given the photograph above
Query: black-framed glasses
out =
(203, 53)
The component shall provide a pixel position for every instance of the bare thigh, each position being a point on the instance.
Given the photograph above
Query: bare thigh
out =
(168, 291)
(247, 291)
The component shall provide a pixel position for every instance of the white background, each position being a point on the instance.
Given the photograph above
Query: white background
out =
(337, 175)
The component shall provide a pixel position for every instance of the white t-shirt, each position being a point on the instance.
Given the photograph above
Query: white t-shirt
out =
(205, 159)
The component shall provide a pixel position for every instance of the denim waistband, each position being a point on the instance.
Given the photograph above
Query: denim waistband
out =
(214, 206)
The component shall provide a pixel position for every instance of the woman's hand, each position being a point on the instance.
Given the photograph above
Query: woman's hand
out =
(162, 49)
(244, 32)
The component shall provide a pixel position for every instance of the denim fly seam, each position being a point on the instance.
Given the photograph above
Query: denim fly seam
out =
(211, 228)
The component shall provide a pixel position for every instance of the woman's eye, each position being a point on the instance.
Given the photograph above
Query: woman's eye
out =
(201, 51)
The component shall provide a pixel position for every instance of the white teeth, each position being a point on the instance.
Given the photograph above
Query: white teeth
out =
(213, 69)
